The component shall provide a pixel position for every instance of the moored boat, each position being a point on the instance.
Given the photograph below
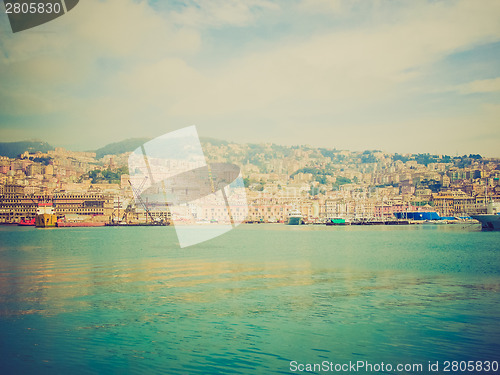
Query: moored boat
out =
(45, 216)
(27, 222)
(417, 215)
(337, 221)
(70, 224)
(295, 218)
(490, 220)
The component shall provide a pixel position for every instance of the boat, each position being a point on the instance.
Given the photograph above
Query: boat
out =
(337, 221)
(295, 218)
(70, 221)
(45, 216)
(396, 222)
(161, 223)
(27, 222)
(374, 222)
(490, 220)
(417, 215)
(72, 224)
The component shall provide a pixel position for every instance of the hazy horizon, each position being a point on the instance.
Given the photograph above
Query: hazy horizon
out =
(202, 139)
(412, 77)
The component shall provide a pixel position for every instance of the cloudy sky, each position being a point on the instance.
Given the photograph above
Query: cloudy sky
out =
(410, 76)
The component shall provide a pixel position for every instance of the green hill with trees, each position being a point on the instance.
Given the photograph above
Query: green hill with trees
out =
(14, 149)
(121, 147)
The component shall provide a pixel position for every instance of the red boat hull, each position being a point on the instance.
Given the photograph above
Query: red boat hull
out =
(27, 223)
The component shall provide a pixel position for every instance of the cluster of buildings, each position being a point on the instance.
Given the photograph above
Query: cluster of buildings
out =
(320, 183)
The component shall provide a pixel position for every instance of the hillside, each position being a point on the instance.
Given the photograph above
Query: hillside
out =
(131, 144)
(14, 149)
(121, 147)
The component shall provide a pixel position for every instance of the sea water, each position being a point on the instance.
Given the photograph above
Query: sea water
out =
(261, 299)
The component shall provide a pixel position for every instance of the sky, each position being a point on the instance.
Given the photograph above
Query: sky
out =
(406, 77)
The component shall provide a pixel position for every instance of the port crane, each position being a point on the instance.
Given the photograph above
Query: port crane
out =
(139, 198)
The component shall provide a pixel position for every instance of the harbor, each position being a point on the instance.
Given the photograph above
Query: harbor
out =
(140, 303)
(261, 187)
(95, 210)
(290, 185)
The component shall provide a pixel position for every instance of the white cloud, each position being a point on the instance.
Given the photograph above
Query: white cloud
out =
(120, 63)
(345, 68)
(480, 86)
(84, 49)
(320, 6)
(124, 28)
(16, 103)
(220, 13)
(118, 29)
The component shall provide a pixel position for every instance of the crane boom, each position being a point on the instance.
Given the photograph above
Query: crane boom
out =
(139, 198)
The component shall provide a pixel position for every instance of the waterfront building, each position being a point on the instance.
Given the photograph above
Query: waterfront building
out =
(16, 205)
(457, 203)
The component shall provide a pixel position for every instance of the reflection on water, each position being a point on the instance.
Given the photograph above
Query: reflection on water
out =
(129, 301)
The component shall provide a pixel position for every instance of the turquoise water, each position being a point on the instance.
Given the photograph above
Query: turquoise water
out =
(115, 300)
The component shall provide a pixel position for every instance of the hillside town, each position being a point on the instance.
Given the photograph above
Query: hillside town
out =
(320, 183)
